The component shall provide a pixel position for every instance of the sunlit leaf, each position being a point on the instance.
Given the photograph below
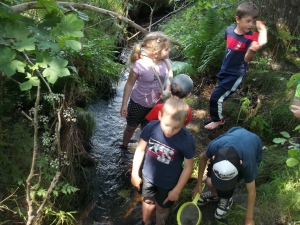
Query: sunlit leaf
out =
(279, 140)
(34, 81)
(75, 45)
(293, 80)
(285, 134)
(43, 59)
(56, 69)
(25, 44)
(291, 162)
(293, 152)
(71, 26)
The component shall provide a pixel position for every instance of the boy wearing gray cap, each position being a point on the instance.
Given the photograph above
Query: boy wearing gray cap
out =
(233, 156)
(180, 87)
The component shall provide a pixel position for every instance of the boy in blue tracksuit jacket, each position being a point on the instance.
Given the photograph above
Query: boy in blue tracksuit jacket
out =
(239, 51)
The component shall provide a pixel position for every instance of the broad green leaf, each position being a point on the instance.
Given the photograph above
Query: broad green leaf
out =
(293, 152)
(56, 69)
(291, 162)
(41, 34)
(73, 68)
(3, 42)
(71, 26)
(33, 81)
(43, 59)
(17, 30)
(25, 44)
(7, 64)
(58, 63)
(297, 128)
(279, 140)
(25, 86)
(293, 78)
(75, 45)
(81, 15)
(50, 5)
(43, 45)
(285, 134)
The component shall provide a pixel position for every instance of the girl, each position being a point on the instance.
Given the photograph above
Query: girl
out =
(142, 86)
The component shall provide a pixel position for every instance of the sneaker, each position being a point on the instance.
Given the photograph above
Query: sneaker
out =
(207, 197)
(223, 207)
(209, 120)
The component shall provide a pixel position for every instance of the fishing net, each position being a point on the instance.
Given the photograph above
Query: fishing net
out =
(190, 215)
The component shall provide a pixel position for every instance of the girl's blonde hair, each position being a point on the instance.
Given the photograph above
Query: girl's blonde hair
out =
(153, 42)
(176, 108)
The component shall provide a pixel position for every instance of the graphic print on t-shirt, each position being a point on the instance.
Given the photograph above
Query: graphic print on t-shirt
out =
(160, 151)
(235, 44)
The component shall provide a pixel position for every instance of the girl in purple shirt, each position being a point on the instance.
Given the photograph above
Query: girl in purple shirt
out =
(142, 88)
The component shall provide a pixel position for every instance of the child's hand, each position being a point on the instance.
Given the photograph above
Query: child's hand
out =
(172, 196)
(123, 111)
(197, 189)
(136, 182)
(254, 46)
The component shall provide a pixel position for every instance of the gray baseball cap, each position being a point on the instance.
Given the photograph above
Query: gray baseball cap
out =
(182, 84)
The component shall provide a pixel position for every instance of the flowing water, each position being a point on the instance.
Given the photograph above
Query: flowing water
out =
(117, 202)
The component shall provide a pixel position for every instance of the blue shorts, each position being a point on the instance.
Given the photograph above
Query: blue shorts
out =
(137, 114)
(151, 190)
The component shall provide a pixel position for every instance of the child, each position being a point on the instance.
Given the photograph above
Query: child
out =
(181, 87)
(233, 156)
(165, 144)
(239, 51)
(142, 86)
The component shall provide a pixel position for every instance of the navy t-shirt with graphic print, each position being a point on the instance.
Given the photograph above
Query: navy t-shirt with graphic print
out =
(236, 48)
(247, 144)
(164, 156)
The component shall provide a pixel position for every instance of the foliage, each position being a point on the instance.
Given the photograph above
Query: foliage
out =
(201, 30)
(46, 50)
(294, 148)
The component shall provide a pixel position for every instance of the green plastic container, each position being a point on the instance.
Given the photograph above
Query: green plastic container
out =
(296, 98)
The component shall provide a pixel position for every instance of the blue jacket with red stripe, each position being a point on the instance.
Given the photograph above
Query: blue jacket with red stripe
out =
(236, 48)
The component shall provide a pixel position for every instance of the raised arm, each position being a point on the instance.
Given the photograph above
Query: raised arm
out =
(251, 50)
(127, 90)
(251, 202)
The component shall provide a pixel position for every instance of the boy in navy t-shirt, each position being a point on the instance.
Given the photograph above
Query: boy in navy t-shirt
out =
(233, 156)
(239, 51)
(166, 144)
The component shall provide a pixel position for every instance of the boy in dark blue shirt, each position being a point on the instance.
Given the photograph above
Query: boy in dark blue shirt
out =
(165, 144)
(239, 51)
(233, 156)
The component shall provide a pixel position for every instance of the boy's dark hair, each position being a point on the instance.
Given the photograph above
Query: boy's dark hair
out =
(247, 9)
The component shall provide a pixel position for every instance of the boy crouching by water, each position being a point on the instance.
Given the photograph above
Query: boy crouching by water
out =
(165, 144)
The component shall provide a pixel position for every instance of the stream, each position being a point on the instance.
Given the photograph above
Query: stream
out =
(117, 201)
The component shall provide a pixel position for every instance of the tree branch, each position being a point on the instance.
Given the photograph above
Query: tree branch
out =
(30, 199)
(32, 5)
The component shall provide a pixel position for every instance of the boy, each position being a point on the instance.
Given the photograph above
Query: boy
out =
(180, 87)
(233, 156)
(165, 144)
(239, 51)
